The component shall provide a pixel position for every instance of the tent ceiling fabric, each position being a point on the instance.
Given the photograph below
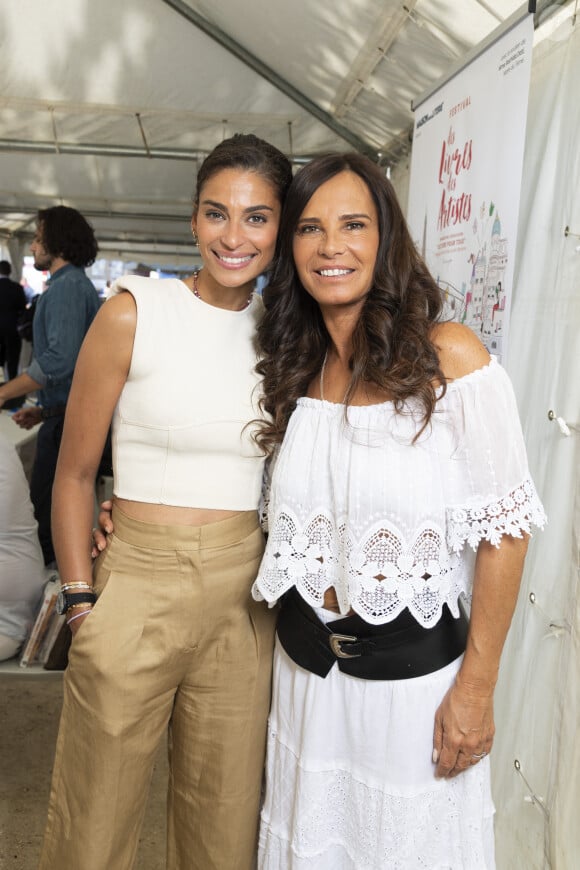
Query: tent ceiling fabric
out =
(109, 106)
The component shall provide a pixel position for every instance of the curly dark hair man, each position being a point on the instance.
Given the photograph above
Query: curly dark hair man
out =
(64, 245)
(67, 234)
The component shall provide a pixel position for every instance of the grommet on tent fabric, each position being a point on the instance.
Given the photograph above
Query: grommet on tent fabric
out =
(562, 425)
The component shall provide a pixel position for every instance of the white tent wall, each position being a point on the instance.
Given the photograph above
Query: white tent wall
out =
(400, 179)
(538, 701)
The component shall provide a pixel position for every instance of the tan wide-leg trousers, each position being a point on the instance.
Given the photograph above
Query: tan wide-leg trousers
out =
(175, 641)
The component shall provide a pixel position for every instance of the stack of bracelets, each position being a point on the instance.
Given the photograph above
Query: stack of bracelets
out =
(74, 596)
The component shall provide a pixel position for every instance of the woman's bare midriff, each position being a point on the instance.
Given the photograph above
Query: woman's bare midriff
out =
(169, 515)
(331, 602)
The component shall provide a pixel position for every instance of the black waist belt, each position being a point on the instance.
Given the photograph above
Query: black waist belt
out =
(52, 411)
(396, 650)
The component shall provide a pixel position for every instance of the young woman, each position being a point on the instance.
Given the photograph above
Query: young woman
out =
(168, 636)
(401, 483)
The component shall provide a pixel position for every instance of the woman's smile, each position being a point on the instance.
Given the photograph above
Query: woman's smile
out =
(234, 262)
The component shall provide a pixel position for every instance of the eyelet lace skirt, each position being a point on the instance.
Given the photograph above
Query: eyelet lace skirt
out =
(350, 780)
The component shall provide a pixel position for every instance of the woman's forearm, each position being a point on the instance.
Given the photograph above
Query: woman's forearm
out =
(72, 519)
(496, 584)
(464, 725)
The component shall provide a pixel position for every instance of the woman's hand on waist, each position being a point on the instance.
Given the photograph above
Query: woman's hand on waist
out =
(104, 528)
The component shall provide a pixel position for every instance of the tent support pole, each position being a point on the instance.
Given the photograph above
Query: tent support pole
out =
(271, 76)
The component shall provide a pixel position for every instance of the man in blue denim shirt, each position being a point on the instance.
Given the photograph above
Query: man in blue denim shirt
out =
(64, 245)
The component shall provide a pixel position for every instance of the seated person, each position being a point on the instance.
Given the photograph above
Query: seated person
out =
(22, 574)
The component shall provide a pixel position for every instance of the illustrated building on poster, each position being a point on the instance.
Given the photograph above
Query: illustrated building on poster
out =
(485, 301)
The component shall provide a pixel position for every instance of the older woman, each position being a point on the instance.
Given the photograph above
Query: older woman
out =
(400, 486)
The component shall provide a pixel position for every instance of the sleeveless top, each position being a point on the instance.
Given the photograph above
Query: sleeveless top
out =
(389, 523)
(180, 433)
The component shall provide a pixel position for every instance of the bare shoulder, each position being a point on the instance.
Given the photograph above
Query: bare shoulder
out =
(118, 315)
(108, 344)
(460, 351)
(121, 305)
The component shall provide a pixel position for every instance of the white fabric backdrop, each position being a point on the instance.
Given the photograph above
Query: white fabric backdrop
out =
(538, 696)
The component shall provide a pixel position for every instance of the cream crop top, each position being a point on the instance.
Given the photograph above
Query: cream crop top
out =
(179, 433)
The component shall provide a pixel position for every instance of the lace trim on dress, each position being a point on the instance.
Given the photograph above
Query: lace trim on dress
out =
(512, 515)
(380, 573)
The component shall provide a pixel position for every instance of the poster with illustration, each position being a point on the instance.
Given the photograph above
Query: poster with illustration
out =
(466, 171)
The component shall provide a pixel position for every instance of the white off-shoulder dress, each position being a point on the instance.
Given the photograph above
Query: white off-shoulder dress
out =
(354, 504)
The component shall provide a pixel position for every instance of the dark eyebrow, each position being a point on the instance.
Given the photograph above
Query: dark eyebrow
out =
(249, 210)
(353, 217)
(342, 217)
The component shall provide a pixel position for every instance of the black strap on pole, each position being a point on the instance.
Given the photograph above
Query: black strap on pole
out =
(531, 6)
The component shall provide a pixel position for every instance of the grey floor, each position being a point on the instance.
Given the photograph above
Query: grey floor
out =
(29, 712)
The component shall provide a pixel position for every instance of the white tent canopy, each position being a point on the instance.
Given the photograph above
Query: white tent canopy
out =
(109, 107)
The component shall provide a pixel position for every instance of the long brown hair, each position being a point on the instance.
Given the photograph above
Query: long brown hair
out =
(391, 342)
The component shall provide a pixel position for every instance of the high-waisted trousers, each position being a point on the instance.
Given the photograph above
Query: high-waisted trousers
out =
(174, 642)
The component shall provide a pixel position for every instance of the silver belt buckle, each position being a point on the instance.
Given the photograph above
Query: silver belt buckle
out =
(335, 641)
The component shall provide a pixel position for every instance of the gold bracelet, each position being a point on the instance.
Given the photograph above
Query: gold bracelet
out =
(81, 584)
(88, 604)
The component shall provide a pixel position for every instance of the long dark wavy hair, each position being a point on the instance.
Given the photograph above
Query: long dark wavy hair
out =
(392, 344)
(66, 233)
